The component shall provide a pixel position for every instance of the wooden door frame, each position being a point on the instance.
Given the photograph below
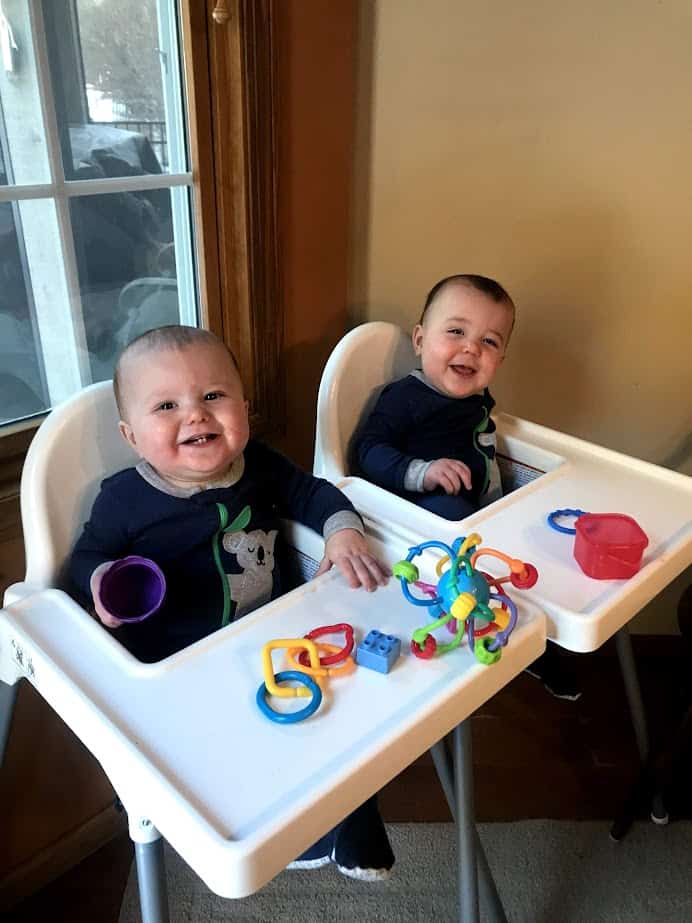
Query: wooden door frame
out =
(231, 74)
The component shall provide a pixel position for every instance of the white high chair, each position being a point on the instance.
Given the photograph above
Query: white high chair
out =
(128, 714)
(362, 363)
(72, 452)
(555, 471)
(76, 447)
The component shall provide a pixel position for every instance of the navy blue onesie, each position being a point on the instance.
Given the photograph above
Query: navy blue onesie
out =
(219, 549)
(413, 424)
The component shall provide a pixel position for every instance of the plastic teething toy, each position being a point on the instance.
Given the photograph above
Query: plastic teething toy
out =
(310, 670)
(133, 588)
(461, 598)
(331, 652)
(309, 686)
(607, 546)
(338, 655)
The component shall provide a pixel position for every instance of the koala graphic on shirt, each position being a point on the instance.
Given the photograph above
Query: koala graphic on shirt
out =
(254, 552)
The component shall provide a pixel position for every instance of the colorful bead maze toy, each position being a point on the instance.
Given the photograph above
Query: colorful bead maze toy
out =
(461, 598)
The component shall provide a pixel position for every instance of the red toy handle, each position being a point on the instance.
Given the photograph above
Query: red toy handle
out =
(329, 659)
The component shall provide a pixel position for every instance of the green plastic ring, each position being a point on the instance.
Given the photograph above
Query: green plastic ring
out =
(407, 570)
(483, 655)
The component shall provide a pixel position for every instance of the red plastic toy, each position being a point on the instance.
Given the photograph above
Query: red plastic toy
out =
(607, 546)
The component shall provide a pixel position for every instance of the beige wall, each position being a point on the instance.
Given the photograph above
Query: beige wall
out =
(548, 145)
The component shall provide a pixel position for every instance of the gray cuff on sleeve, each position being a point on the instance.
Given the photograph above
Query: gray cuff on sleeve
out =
(344, 519)
(413, 479)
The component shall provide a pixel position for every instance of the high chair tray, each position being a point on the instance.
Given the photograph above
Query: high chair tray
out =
(560, 472)
(186, 747)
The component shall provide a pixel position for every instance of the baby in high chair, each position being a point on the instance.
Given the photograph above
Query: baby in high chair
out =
(205, 503)
(430, 438)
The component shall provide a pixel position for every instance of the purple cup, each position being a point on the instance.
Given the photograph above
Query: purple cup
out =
(133, 588)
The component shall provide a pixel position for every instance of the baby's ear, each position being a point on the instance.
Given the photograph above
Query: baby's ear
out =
(417, 338)
(127, 433)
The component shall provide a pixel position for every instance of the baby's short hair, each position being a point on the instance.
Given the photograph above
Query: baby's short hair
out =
(489, 287)
(172, 336)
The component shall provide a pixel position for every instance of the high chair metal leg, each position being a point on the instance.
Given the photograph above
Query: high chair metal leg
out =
(633, 691)
(623, 642)
(490, 899)
(8, 696)
(151, 872)
(647, 786)
(466, 840)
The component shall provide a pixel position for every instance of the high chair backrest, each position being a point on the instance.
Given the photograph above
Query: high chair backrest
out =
(365, 360)
(75, 448)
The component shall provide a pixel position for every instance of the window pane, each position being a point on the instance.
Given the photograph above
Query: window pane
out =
(80, 276)
(22, 383)
(128, 263)
(23, 150)
(115, 76)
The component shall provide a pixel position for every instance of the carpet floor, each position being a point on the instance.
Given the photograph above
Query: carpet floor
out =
(546, 871)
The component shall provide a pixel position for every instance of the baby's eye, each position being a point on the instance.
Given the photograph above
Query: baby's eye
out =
(490, 342)
(212, 396)
(166, 405)
(457, 331)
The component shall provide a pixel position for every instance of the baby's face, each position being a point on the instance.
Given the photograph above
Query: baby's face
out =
(462, 340)
(186, 413)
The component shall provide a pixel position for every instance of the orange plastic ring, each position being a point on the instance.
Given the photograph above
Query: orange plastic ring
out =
(348, 666)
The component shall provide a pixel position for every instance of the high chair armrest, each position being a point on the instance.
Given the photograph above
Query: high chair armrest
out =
(17, 591)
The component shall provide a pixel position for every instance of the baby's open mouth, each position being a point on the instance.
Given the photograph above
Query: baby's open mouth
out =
(464, 370)
(200, 440)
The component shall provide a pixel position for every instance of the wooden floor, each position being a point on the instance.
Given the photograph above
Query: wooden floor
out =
(534, 756)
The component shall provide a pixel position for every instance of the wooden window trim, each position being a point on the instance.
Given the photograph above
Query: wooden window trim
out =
(230, 72)
(231, 75)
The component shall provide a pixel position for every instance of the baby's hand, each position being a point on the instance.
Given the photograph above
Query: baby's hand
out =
(104, 615)
(449, 474)
(348, 549)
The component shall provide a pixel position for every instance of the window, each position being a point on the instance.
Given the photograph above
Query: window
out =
(137, 187)
(95, 192)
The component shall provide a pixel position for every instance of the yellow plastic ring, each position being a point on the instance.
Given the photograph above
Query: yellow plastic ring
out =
(287, 692)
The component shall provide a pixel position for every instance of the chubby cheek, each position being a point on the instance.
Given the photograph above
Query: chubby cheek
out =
(162, 440)
(239, 428)
(492, 365)
(438, 367)
(240, 438)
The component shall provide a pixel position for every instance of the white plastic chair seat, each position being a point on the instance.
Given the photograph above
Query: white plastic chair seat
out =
(76, 447)
(362, 363)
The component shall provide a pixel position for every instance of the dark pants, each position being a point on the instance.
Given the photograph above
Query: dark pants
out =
(448, 506)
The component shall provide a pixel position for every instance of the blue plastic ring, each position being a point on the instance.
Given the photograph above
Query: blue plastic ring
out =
(564, 529)
(294, 716)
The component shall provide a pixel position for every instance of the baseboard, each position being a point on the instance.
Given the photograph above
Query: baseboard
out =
(53, 861)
